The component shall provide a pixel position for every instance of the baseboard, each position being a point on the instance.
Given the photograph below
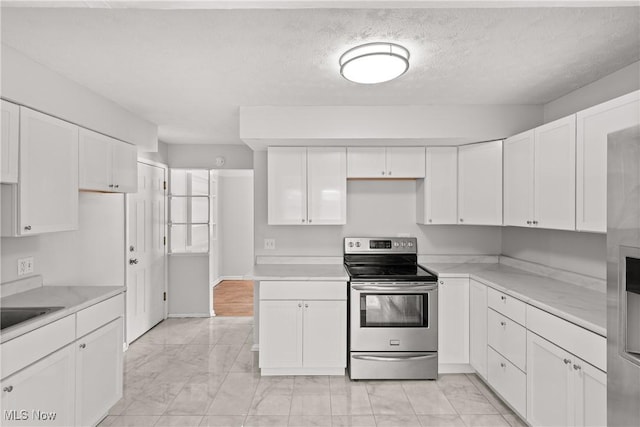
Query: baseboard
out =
(176, 315)
(455, 368)
(301, 371)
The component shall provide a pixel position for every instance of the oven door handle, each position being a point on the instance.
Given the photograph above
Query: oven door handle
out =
(394, 358)
(396, 289)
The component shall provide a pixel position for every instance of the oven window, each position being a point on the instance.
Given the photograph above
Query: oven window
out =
(393, 310)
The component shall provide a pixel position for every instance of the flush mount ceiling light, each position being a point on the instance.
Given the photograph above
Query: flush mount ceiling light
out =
(374, 62)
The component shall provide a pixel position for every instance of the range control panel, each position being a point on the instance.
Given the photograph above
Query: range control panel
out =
(384, 245)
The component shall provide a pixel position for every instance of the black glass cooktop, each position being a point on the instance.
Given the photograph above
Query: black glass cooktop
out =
(381, 272)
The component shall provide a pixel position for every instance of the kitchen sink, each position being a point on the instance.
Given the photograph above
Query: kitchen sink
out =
(10, 316)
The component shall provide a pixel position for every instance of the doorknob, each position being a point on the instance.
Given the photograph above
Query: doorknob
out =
(133, 261)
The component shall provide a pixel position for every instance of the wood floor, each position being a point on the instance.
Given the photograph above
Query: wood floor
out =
(233, 298)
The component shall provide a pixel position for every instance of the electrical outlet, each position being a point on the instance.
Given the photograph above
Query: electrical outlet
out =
(25, 266)
(270, 244)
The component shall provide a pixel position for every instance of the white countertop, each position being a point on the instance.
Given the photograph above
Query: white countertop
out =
(72, 298)
(297, 272)
(577, 304)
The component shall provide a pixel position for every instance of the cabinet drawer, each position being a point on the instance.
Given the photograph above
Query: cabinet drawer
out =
(93, 317)
(507, 380)
(507, 338)
(507, 305)
(301, 290)
(583, 343)
(32, 346)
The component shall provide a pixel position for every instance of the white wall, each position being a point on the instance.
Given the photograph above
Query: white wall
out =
(189, 285)
(92, 255)
(616, 84)
(204, 156)
(235, 207)
(374, 208)
(29, 83)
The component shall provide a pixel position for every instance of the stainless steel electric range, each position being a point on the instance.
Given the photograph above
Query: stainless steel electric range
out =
(393, 310)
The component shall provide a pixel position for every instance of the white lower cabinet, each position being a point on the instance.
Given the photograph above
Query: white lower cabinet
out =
(98, 372)
(453, 324)
(42, 393)
(303, 328)
(478, 327)
(562, 389)
(507, 380)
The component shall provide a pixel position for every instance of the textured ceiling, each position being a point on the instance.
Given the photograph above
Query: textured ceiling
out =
(190, 70)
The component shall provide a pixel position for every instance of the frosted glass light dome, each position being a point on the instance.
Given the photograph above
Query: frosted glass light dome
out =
(374, 62)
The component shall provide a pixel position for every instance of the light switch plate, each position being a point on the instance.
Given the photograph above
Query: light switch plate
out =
(25, 266)
(270, 244)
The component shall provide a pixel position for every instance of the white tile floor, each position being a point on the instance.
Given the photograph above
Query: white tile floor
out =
(202, 372)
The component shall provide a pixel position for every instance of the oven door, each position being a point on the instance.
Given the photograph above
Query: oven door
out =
(393, 316)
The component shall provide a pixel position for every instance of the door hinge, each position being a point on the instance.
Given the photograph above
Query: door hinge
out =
(164, 185)
(164, 240)
(164, 296)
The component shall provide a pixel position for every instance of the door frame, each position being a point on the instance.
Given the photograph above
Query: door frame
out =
(165, 169)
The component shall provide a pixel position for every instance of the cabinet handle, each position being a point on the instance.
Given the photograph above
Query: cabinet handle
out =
(566, 361)
(27, 227)
(382, 172)
(306, 306)
(528, 222)
(577, 367)
(429, 219)
(503, 323)
(117, 186)
(133, 261)
(309, 221)
(503, 365)
(303, 220)
(83, 345)
(535, 222)
(461, 220)
(389, 173)
(8, 389)
(110, 185)
(503, 298)
(299, 304)
(442, 282)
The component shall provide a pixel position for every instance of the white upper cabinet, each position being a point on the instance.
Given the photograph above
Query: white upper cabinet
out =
(10, 142)
(518, 179)
(480, 183)
(107, 164)
(592, 127)
(554, 175)
(366, 162)
(437, 194)
(306, 186)
(326, 185)
(539, 176)
(381, 162)
(47, 191)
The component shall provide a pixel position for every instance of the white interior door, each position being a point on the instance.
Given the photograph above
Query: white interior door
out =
(146, 252)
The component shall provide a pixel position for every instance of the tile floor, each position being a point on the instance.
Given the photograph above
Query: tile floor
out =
(202, 372)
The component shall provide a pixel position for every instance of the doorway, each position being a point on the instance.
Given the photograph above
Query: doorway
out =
(233, 298)
(145, 251)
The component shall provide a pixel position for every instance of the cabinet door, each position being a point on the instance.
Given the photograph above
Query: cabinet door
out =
(554, 175)
(10, 142)
(287, 185)
(125, 167)
(480, 183)
(478, 327)
(48, 189)
(453, 321)
(98, 372)
(590, 394)
(41, 394)
(440, 186)
(592, 128)
(327, 185)
(95, 161)
(280, 334)
(405, 162)
(518, 179)
(366, 162)
(549, 383)
(324, 334)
